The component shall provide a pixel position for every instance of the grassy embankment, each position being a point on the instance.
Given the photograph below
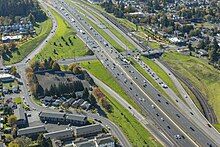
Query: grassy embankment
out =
(60, 44)
(136, 133)
(201, 74)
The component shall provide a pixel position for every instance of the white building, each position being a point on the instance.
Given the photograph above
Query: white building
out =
(4, 77)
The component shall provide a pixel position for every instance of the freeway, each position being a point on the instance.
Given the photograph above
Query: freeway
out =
(148, 124)
(211, 117)
(118, 67)
(193, 114)
(110, 57)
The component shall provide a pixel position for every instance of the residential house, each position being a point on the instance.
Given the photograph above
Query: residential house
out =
(57, 117)
(61, 135)
(21, 117)
(105, 141)
(85, 105)
(84, 143)
(31, 131)
(76, 119)
(6, 77)
(52, 117)
(89, 130)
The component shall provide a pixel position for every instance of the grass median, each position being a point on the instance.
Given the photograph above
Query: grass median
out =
(148, 77)
(162, 74)
(24, 49)
(64, 44)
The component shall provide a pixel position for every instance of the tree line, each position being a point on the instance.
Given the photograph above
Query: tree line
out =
(10, 9)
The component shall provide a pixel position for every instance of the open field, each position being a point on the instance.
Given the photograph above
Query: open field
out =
(103, 34)
(201, 74)
(135, 132)
(65, 43)
(24, 49)
(18, 100)
(98, 70)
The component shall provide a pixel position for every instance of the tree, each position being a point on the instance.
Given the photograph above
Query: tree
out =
(42, 142)
(12, 119)
(77, 70)
(7, 110)
(23, 141)
(13, 70)
(71, 67)
(191, 49)
(56, 66)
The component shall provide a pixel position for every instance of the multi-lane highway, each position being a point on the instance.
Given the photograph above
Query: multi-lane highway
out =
(177, 126)
(192, 111)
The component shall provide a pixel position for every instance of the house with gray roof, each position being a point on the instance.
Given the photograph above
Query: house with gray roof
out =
(89, 130)
(31, 131)
(63, 118)
(52, 117)
(85, 143)
(21, 116)
(76, 119)
(60, 135)
(105, 141)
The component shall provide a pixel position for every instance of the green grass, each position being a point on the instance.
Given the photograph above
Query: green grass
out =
(24, 49)
(18, 100)
(162, 74)
(98, 70)
(103, 33)
(37, 101)
(201, 74)
(153, 45)
(60, 49)
(217, 127)
(135, 132)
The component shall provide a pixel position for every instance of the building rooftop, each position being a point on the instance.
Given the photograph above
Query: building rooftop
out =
(52, 114)
(76, 117)
(89, 129)
(31, 130)
(104, 140)
(85, 143)
(5, 75)
(20, 113)
(57, 134)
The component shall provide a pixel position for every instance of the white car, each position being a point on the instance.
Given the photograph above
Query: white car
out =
(164, 86)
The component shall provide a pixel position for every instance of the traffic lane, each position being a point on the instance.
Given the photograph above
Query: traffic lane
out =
(160, 100)
(100, 41)
(146, 104)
